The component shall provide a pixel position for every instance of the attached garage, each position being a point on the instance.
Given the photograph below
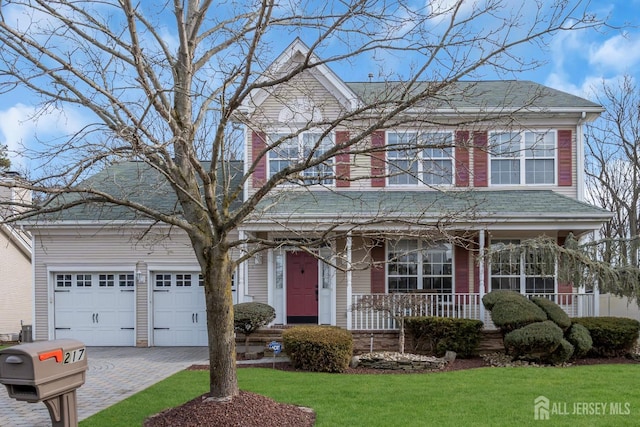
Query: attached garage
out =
(97, 308)
(179, 309)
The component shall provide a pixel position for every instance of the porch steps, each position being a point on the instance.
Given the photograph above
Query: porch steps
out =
(260, 338)
(490, 341)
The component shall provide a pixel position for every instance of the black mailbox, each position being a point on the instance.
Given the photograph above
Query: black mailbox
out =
(38, 371)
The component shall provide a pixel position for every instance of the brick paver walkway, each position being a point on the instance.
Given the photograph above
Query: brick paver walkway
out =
(114, 374)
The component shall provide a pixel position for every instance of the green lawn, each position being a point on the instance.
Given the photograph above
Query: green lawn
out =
(477, 397)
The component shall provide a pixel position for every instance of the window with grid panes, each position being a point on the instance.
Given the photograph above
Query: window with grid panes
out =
(83, 280)
(523, 158)
(126, 280)
(163, 280)
(529, 272)
(290, 149)
(420, 158)
(183, 280)
(106, 280)
(416, 265)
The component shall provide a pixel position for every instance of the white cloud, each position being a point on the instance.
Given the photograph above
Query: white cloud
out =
(620, 53)
(447, 7)
(22, 126)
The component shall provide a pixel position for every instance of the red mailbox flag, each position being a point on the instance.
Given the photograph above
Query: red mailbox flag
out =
(57, 354)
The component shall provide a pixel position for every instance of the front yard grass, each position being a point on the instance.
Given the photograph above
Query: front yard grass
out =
(476, 397)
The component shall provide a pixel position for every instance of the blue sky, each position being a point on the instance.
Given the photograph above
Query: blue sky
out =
(576, 62)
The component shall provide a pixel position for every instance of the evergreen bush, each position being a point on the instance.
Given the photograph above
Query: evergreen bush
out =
(580, 337)
(248, 317)
(318, 348)
(554, 312)
(562, 353)
(513, 313)
(436, 335)
(536, 341)
(612, 336)
(490, 299)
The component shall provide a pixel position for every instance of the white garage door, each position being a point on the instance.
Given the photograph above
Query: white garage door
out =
(179, 310)
(95, 308)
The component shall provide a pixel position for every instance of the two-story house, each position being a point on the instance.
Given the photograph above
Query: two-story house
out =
(16, 304)
(497, 163)
(409, 210)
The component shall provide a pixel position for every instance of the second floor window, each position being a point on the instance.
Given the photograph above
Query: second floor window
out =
(290, 150)
(420, 158)
(519, 158)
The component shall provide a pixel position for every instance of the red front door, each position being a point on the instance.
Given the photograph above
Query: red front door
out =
(302, 288)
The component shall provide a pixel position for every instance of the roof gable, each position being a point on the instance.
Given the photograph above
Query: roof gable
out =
(293, 55)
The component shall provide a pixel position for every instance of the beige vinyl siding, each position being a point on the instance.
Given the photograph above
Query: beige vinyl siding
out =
(257, 280)
(105, 249)
(305, 87)
(16, 303)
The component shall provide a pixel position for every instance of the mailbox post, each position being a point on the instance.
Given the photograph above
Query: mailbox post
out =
(49, 372)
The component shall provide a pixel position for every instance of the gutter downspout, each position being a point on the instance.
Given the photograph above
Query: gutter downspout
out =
(481, 285)
(349, 281)
(580, 175)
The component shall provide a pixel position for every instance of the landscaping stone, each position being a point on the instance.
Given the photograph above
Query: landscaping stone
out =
(450, 356)
(399, 361)
(355, 361)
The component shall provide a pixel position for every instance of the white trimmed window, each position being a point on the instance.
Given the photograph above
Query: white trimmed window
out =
(87, 280)
(526, 272)
(290, 150)
(414, 265)
(420, 158)
(523, 158)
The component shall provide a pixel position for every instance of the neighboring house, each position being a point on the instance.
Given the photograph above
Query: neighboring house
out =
(611, 305)
(16, 304)
(103, 276)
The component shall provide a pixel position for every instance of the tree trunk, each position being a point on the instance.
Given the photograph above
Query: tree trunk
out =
(222, 345)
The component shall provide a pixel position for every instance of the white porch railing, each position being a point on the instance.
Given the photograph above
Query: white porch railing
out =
(374, 311)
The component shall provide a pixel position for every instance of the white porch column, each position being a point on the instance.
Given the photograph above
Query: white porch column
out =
(481, 284)
(349, 280)
(241, 285)
(596, 300)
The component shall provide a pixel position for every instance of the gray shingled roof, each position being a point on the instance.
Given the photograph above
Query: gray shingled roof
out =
(138, 182)
(132, 180)
(496, 94)
(482, 205)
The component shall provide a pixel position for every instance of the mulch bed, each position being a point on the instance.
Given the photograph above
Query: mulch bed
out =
(254, 410)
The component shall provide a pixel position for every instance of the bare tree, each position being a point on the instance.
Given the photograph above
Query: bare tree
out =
(397, 308)
(613, 169)
(166, 83)
(5, 162)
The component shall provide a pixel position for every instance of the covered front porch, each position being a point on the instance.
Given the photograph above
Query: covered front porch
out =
(332, 256)
(378, 312)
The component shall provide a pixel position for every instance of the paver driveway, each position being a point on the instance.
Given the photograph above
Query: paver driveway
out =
(114, 374)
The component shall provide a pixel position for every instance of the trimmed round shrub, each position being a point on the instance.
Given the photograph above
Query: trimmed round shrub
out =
(580, 337)
(513, 313)
(562, 353)
(318, 348)
(554, 312)
(436, 335)
(490, 299)
(536, 341)
(612, 336)
(250, 316)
